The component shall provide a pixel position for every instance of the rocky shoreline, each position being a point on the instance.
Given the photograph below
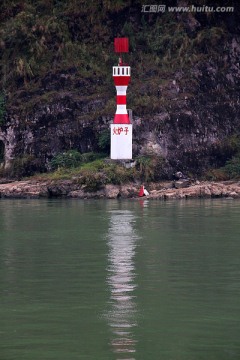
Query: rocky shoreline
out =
(32, 189)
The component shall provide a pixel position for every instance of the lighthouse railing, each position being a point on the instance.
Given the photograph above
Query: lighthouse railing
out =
(121, 71)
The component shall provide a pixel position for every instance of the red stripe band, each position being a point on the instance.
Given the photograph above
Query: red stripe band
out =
(121, 99)
(121, 80)
(121, 119)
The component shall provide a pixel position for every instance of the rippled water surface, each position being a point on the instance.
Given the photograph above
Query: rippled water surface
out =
(119, 280)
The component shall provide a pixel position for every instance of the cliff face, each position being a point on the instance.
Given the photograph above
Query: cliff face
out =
(51, 128)
(184, 91)
(195, 130)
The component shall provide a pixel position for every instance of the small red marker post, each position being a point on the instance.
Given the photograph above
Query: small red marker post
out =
(141, 192)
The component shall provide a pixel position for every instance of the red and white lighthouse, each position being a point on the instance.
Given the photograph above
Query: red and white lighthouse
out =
(121, 129)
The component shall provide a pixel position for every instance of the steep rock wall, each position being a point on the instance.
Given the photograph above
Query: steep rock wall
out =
(188, 118)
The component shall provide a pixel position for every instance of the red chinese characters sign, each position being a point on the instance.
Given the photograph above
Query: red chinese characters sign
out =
(118, 130)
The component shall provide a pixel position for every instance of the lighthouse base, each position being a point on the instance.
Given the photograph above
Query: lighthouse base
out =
(121, 141)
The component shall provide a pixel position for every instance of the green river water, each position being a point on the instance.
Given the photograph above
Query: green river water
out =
(111, 279)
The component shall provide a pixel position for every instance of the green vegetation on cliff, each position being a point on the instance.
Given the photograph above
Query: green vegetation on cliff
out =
(55, 71)
(93, 171)
(46, 37)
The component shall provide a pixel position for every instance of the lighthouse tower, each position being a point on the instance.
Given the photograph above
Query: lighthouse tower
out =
(121, 129)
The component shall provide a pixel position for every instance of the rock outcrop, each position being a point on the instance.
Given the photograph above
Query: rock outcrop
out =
(202, 191)
(162, 191)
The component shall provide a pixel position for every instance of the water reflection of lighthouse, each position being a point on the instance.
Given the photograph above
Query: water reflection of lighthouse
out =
(121, 279)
